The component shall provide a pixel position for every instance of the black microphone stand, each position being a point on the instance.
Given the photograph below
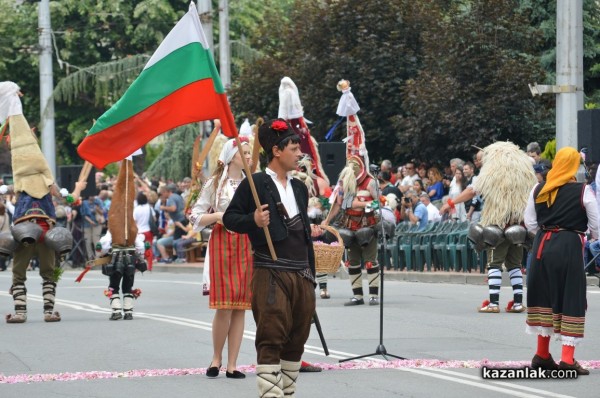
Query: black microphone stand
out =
(380, 350)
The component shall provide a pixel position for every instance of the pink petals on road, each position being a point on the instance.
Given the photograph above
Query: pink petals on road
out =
(353, 365)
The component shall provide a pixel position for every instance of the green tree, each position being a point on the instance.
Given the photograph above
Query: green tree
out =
(472, 88)
(176, 157)
(101, 47)
(542, 14)
(19, 62)
(371, 43)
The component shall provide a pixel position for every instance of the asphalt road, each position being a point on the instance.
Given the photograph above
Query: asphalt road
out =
(166, 348)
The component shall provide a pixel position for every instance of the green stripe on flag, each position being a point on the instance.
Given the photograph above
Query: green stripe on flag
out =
(183, 66)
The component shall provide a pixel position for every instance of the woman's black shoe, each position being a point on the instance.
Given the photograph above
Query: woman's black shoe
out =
(212, 371)
(235, 375)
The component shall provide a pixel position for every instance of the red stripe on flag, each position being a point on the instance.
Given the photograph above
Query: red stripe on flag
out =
(227, 121)
(192, 103)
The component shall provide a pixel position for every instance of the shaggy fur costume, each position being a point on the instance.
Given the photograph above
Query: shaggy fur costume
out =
(307, 177)
(505, 182)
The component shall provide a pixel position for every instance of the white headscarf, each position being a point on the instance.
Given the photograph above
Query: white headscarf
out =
(226, 156)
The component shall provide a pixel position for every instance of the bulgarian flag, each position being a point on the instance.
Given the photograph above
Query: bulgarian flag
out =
(179, 85)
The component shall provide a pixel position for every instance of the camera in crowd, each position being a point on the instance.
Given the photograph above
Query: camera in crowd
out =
(374, 169)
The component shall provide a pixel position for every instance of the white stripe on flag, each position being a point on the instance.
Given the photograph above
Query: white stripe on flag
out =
(188, 30)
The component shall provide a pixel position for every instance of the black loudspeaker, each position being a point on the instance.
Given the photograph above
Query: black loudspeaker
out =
(69, 175)
(333, 159)
(588, 133)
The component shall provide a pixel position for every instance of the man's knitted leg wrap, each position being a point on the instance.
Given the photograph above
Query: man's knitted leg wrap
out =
(269, 381)
(289, 375)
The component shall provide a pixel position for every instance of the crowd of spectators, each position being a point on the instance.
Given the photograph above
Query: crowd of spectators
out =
(418, 190)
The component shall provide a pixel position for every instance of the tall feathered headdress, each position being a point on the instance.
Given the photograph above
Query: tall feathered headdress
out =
(290, 109)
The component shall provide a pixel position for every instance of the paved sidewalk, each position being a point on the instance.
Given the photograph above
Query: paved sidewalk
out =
(405, 276)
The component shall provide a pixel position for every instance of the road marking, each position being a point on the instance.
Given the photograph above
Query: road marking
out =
(429, 373)
(502, 383)
(443, 374)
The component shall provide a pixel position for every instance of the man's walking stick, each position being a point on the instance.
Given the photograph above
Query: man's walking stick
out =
(320, 331)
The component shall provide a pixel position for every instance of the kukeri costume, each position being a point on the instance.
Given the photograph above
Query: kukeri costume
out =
(306, 174)
(34, 216)
(505, 180)
(310, 168)
(120, 269)
(291, 110)
(123, 245)
(355, 135)
(359, 227)
(358, 224)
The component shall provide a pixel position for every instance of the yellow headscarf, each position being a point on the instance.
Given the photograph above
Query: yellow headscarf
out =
(564, 168)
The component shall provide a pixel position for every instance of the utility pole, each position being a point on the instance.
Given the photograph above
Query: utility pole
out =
(205, 11)
(224, 56)
(569, 70)
(46, 86)
(206, 19)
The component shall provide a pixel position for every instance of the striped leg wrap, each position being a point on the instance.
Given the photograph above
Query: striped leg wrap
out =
(19, 293)
(494, 283)
(49, 293)
(516, 280)
(374, 280)
(355, 274)
(321, 280)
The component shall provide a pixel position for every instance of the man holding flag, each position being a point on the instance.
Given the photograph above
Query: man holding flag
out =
(283, 295)
(180, 85)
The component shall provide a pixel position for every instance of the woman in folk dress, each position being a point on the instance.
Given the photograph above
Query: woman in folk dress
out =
(559, 210)
(230, 257)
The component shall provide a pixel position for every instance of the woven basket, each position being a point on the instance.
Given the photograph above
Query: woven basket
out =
(327, 257)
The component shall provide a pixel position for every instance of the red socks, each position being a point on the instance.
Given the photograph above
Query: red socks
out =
(543, 350)
(568, 352)
(543, 347)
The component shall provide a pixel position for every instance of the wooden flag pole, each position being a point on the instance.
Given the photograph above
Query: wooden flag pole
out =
(256, 145)
(197, 162)
(205, 150)
(85, 171)
(230, 128)
(256, 200)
